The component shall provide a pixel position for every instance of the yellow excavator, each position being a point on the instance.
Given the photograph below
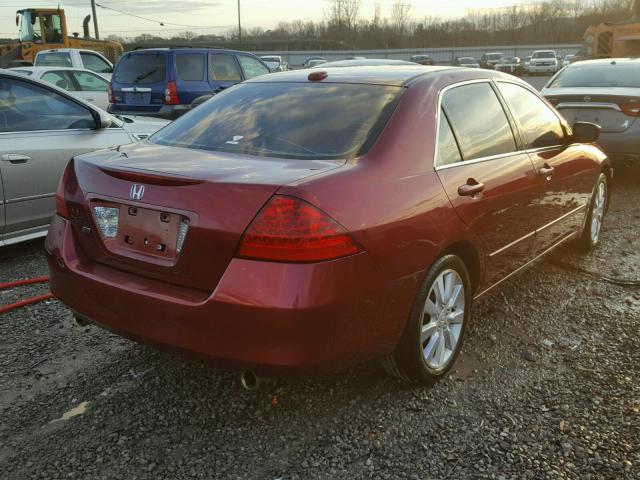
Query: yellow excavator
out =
(45, 29)
(613, 40)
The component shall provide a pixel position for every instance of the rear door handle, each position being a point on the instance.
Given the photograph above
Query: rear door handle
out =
(546, 170)
(471, 188)
(15, 158)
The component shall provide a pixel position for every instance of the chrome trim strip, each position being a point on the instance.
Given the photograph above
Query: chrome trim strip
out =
(480, 160)
(32, 197)
(555, 245)
(568, 214)
(602, 105)
(506, 247)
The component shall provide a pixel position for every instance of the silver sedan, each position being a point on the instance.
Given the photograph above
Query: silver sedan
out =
(41, 128)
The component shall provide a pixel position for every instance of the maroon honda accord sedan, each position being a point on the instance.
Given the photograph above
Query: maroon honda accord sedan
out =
(301, 222)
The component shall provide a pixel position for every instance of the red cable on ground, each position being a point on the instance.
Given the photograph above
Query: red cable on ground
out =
(26, 301)
(29, 281)
(22, 303)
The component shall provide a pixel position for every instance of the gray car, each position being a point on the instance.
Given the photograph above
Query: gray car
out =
(605, 92)
(41, 128)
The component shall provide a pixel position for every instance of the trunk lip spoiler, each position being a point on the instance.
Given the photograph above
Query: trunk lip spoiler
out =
(150, 177)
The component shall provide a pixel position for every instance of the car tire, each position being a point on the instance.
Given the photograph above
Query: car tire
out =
(435, 331)
(590, 236)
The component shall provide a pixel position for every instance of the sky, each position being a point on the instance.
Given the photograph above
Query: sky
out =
(218, 16)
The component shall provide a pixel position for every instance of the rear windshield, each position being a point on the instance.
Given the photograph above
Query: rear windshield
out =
(141, 68)
(58, 59)
(544, 55)
(581, 75)
(494, 56)
(467, 60)
(290, 120)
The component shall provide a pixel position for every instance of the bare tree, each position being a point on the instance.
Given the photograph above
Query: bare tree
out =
(400, 14)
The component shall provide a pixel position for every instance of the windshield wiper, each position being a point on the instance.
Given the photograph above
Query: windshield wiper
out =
(145, 75)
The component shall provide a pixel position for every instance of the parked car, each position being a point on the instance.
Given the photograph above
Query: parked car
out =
(489, 60)
(308, 61)
(75, 58)
(41, 128)
(606, 92)
(512, 65)
(248, 232)
(314, 63)
(421, 59)
(568, 60)
(368, 62)
(83, 83)
(543, 61)
(162, 82)
(468, 62)
(275, 63)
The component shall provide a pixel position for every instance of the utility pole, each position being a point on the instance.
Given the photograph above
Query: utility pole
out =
(95, 19)
(239, 25)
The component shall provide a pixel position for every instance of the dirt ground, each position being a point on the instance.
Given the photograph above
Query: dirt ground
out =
(547, 387)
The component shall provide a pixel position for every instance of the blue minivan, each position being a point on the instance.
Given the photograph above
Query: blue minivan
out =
(162, 82)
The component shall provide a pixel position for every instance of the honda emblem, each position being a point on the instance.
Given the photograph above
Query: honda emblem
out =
(137, 192)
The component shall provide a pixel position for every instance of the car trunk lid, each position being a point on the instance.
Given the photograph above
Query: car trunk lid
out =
(602, 106)
(158, 190)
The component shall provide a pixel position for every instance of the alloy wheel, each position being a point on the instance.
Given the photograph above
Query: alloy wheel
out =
(442, 319)
(597, 214)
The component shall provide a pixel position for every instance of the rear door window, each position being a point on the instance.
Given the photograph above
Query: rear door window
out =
(141, 68)
(252, 67)
(190, 67)
(60, 78)
(90, 82)
(223, 67)
(478, 120)
(540, 126)
(93, 62)
(268, 120)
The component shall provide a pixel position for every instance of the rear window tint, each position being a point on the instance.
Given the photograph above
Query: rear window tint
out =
(607, 75)
(290, 120)
(190, 66)
(143, 68)
(53, 60)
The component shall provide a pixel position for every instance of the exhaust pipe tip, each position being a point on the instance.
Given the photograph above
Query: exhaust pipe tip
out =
(250, 381)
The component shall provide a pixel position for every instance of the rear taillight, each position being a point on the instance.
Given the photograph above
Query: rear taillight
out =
(111, 100)
(171, 94)
(61, 203)
(631, 109)
(288, 229)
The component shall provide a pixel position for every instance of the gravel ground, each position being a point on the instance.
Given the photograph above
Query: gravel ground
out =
(547, 387)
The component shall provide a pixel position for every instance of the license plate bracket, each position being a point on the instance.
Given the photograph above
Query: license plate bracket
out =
(149, 232)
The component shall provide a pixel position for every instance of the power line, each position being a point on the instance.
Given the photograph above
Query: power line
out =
(162, 24)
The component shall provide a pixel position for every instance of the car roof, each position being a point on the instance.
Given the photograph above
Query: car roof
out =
(391, 75)
(187, 49)
(46, 68)
(366, 62)
(606, 61)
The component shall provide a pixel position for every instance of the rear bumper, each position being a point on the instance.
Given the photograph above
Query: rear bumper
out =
(623, 149)
(168, 112)
(268, 317)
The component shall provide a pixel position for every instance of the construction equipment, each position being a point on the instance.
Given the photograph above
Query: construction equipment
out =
(613, 39)
(45, 29)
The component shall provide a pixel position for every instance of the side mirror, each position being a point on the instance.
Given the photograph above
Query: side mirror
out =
(103, 120)
(584, 132)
